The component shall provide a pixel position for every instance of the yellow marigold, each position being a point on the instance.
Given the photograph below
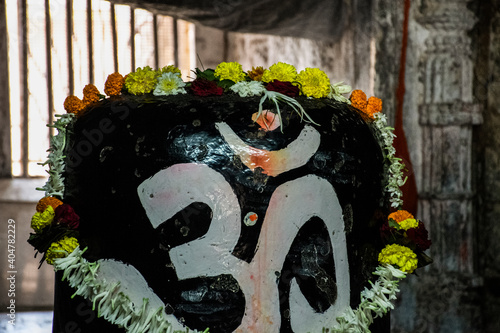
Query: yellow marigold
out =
(61, 249)
(256, 73)
(73, 104)
(400, 215)
(170, 69)
(114, 84)
(314, 83)
(399, 255)
(373, 106)
(229, 71)
(408, 224)
(142, 81)
(43, 203)
(90, 94)
(42, 219)
(358, 100)
(280, 71)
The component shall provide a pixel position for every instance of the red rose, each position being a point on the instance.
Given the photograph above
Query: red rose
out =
(204, 87)
(285, 88)
(65, 215)
(419, 236)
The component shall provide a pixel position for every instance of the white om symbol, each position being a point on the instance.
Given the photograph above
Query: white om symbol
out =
(291, 205)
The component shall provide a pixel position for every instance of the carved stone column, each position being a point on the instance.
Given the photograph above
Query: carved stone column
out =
(446, 296)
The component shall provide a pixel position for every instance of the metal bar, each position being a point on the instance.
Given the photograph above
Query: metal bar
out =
(69, 42)
(176, 43)
(24, 91)
(132, 37)
(155, 41)
(90, 41)
(48, 52)
(114, 36)
(5, 142)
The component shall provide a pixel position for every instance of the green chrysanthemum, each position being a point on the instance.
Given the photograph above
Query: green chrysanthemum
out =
(281, 72)
(229, 71)
(142, 81)
(314, 83)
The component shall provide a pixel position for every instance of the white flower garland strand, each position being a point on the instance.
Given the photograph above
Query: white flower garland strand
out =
(108, 298)
(55, 184)
(396, 166)
(375, 302)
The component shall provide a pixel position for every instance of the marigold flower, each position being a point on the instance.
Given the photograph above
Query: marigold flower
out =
(90, 94)
(169, 83)
(358, 100)
(229, 71)
(400, 215)
(256, 73)
(42, 219)
(280, 71)
(114, 84)
(73, 104)
(61, 249)
(314, 82)
(44, 202)
(402, 256)
(374, 105)
(142, 81)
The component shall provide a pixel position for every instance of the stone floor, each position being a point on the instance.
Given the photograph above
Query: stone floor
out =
(27, 322)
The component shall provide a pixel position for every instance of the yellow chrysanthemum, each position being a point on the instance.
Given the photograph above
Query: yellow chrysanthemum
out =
(61, 249)
(142, 81)
(44, 202)
(408, 224)
(170, 69)
(399, 255)
(256, 73)
(314, 82)
(229, 71)
(42, 219)
(114, 84)
(281, 72)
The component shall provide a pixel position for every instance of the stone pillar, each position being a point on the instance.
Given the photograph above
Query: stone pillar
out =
(445, 297)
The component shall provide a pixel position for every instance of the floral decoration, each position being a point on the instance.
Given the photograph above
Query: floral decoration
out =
(114, 84)
(280, 71)
(285, 88)
(169, 83)
(229, 71)
(314, 82)
(56, 224)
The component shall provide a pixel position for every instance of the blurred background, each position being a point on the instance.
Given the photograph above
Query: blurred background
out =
(434, 63)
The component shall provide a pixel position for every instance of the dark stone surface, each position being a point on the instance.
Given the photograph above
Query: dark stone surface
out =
(124, 141)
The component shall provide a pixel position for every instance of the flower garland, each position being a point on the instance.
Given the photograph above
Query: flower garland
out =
(55, 223)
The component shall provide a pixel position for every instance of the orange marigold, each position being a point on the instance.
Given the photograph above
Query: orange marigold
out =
(256, 73)
(358, 100)
(114, 84)
(43, 203)
(90, 94)
(73, 104)
(400, 215)
(373, 106)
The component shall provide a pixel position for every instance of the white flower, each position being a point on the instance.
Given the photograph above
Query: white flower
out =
(169, 84)
(336, 91)
(248, 89)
